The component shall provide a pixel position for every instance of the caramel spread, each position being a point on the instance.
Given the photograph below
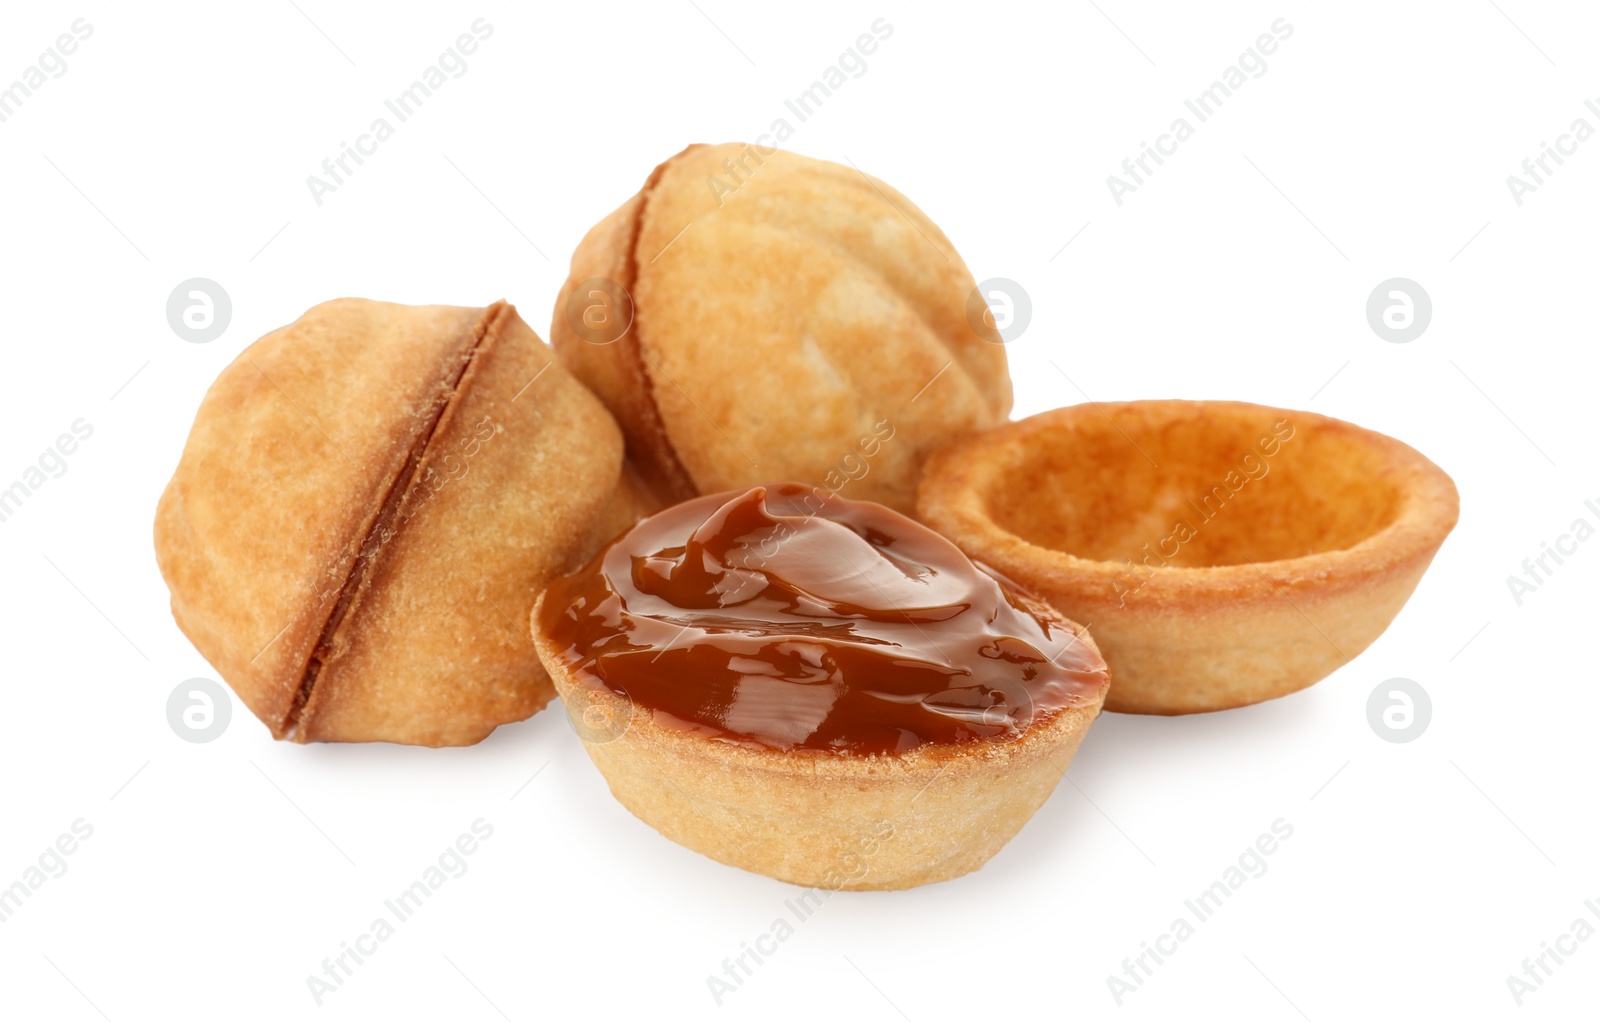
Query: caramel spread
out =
(776, 618)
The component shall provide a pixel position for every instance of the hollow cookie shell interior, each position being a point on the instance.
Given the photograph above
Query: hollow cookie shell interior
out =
(366, 502)
(1223, 553)
(778, 332)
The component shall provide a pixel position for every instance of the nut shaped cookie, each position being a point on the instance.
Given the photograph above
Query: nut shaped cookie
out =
(752, 314)
(367, 503)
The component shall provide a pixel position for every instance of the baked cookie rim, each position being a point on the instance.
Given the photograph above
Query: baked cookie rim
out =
(956, 478)
(929, 758)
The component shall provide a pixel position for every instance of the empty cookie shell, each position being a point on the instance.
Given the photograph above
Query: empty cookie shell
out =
(1223, 553)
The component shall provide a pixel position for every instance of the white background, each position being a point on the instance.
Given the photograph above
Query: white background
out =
(1377, 143)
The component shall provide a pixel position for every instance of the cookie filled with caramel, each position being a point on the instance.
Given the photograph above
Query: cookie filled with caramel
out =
(772, 676)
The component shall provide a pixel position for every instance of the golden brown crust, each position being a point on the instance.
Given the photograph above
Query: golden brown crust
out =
(819, 819)
(466, 560)
(434, 465)
(780, 324)
(614, 368)
(301, 436)
(1289, 567)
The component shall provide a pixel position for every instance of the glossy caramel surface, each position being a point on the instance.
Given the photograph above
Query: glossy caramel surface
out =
(778, 618)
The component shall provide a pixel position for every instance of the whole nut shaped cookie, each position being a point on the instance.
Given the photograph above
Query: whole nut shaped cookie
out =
(753, 315)
(368, 501)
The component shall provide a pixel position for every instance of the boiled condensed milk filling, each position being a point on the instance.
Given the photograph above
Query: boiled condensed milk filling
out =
(770, 618)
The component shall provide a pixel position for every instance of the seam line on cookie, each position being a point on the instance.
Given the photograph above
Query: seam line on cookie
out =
(385, 525)
(677, 478)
